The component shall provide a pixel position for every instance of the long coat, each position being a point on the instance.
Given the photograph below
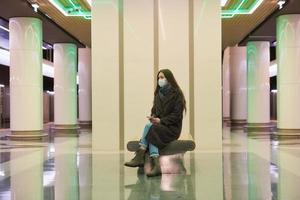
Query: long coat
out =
(170, 112)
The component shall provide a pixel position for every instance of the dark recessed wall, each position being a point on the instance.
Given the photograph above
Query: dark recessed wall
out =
(4, 78)
(273, 83)
(272, 53)
(4, 75)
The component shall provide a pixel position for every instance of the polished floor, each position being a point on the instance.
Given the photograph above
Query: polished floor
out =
(249, 168)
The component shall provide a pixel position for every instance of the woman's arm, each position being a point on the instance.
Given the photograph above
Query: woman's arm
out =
(175, 116)
(153, 109)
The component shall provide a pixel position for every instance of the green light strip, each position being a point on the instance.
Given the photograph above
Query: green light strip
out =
(240, 11)
(74, 9)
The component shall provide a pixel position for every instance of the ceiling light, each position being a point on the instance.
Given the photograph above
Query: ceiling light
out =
(71, 8)
(35, 7)
(281, 3)
(241, 7)
(3, 28)
(223, 2)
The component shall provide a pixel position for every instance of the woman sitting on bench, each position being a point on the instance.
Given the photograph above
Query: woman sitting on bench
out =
(165, 122)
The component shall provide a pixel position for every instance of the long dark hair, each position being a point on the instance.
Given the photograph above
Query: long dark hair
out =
(172, 81)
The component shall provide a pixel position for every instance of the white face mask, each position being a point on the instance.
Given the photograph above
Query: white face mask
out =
(162, 82)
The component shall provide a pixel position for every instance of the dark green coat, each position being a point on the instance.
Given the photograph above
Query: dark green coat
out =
(170, 112)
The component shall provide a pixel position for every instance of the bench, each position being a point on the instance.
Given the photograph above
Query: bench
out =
(171, 157)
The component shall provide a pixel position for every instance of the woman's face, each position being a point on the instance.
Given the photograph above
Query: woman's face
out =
(161, 76)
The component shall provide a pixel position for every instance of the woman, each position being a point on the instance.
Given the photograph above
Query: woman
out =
(165, 121)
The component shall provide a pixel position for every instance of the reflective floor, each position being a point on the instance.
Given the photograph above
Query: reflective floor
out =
(249, 168)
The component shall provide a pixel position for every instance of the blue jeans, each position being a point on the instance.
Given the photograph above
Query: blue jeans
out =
(153, 150)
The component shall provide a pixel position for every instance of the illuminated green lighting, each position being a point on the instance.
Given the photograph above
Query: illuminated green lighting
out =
(75, 8)
(243, 7)
(71, 8)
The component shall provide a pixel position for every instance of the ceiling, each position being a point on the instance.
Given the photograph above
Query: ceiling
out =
(234, 30)
(79, 27)
(237, 28)
(52, 32)
(266, 31)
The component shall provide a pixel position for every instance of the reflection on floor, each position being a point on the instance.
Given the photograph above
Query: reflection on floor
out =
(249, 168)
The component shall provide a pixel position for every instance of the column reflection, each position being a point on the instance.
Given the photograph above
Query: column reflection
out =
(66, 172)
(26, 171)
(259, 158)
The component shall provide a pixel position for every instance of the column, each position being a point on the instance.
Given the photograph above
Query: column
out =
(207, 74)
(173, 45)
(288, 79)
(106, 75)
(85, 90)
(226, 85)
(258, 86)
(138, 66)
(238, 86)
(65, 86)
(26, 117)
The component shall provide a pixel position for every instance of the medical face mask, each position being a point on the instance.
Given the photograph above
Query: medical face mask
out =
(162, 82)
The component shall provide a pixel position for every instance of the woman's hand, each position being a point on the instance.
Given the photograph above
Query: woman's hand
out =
(155, 120)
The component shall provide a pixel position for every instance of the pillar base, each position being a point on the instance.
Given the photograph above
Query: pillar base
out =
(238, 124)
(287, 133)
(65, 127)
(65, 130)
(27, 135)
(85, 124)
(226, 121)
(259, 127)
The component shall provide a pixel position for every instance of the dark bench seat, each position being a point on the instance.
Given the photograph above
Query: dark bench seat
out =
(171, 157)
(175, 147)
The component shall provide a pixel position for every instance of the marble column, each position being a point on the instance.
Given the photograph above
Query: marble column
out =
(288, 78)
(207, 77)
(106, 74)
(65, 86)
(238, 86)
(26, 83)
(85, 90)
(226, 85)
(258, 87)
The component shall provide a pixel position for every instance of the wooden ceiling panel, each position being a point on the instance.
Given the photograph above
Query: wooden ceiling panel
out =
(76, 26)
(236, 28)
(233, 29)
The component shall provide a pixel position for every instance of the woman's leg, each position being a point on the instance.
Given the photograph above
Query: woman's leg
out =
(143, 142)
(154, 154)
(139, 159)
(153, 150)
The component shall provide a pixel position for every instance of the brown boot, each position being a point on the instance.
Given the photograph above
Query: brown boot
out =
(156, 171)
(138, 160)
